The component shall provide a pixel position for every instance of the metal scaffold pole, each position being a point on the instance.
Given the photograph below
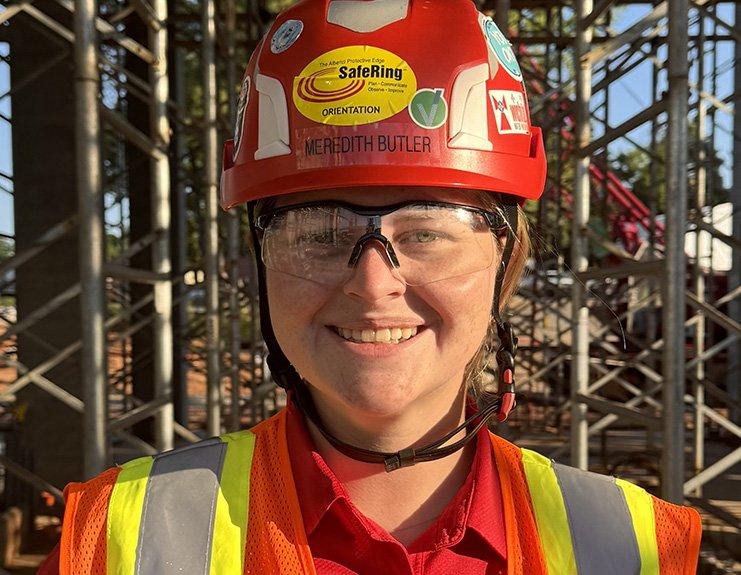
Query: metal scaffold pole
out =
(675, 263)
(699, 281)
(161, 262)
(235, 340)
(501, 15)
(180, 251)
(211, 245)
(90, 202)
(579, 242)
(734, 279)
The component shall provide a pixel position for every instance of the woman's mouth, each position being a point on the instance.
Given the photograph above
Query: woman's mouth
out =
(385, 335)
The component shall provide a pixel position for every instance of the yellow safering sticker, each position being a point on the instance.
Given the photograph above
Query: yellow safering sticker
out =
(354, 85)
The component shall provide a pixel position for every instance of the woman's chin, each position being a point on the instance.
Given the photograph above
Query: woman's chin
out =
(374, 399)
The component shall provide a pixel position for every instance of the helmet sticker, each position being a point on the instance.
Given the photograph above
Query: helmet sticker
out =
(244, 98)
(428, 108)
(286, 36)
(510, 112)
(353, 86)
(502, 48)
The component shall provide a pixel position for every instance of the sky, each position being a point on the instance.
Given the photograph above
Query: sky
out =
(633, 92)
(627, 96)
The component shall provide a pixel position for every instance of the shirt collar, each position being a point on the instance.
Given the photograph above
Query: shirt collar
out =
(317, 486)
(476, 507)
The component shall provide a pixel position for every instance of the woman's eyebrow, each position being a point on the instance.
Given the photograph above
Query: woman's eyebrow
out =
(417, 216)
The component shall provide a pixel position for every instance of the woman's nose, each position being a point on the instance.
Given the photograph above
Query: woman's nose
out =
(374, 276)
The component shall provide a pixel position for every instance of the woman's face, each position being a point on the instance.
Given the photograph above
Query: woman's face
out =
(381, 379)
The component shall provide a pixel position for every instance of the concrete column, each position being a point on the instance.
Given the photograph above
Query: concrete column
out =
(45, 195)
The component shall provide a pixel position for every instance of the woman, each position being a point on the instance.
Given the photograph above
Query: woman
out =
(382, 148)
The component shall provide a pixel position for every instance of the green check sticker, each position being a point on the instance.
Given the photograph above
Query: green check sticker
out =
(428, 108)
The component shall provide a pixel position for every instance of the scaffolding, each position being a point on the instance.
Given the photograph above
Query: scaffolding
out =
(630, 340)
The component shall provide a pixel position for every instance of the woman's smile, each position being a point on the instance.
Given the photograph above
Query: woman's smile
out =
(377, 343)
(393, 335)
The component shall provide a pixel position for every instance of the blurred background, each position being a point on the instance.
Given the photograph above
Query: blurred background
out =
(128, 314)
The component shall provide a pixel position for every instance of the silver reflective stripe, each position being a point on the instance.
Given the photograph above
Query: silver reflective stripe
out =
(601, 528)
(178, 512)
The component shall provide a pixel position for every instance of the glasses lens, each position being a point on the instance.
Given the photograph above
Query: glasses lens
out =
(431, 242)
(435, 242)
(313, 243)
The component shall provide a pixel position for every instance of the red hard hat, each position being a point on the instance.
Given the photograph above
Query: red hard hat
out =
(349, 93)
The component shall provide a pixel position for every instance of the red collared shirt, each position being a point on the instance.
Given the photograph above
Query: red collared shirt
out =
(468, 537)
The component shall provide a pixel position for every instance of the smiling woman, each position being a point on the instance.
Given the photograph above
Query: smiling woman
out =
(383, 273)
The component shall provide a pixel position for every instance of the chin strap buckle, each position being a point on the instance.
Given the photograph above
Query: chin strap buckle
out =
(404, 458)
(506, 369)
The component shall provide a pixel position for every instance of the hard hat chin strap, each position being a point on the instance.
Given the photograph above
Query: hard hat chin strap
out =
(405, 457)
(507, 350)
(284, 374)
(288, 378)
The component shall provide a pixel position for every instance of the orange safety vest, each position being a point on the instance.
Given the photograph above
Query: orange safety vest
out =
(261, 531)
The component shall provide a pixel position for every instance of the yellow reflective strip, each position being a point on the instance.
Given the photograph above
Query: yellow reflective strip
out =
(550, 513)
(124, 516)
(642, 515)
(230, 527)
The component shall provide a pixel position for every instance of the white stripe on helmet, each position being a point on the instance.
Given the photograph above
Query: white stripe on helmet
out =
(273, 138)
(469, 126)
(366, 15)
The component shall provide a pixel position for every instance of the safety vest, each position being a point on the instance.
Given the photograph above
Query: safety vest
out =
(228, 506)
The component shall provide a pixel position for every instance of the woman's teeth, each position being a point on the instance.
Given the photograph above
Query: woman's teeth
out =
(390, 335)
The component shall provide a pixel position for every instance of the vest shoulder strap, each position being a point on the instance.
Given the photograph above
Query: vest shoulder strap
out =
(192, 501)
(223, 506)
(525, 554)
(595, 524)
(678, 534)
(276, 538)
(82, 549)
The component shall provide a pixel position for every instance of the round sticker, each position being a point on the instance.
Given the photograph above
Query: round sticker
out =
(503, 49)
(354, 85)
(286, 36)
(244, 98)
(428, 108)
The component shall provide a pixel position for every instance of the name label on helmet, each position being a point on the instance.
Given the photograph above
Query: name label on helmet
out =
(353, 86)
(326, 146)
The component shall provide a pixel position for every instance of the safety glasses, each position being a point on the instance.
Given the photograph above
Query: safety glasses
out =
(423, 241)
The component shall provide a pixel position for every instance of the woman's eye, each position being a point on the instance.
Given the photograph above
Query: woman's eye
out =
(325, 238)
(421, 237)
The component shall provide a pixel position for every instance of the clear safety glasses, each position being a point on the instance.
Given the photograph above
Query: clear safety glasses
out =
(424, 241)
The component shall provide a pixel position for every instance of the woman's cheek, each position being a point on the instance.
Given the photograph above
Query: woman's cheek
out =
(291, 310)
(465, 307)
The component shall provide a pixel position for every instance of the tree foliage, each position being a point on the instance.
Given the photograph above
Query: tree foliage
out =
(7, 249)
(645, 171)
